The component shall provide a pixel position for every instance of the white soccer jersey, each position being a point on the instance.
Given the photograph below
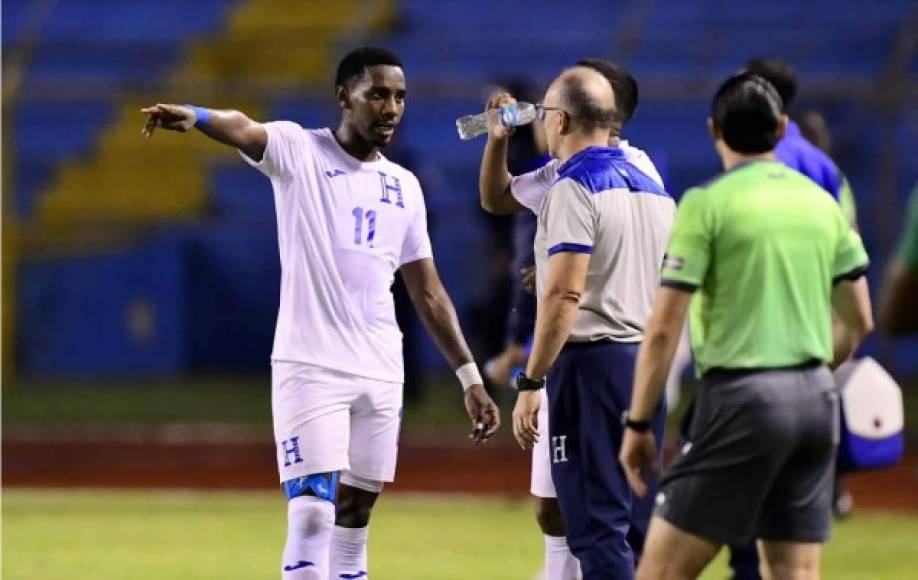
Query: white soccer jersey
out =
(530, 188)
(344, 227)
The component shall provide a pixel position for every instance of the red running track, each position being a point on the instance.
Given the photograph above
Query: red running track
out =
(444, 467)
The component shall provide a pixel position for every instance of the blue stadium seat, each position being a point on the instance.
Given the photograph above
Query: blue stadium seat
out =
(106, 44)
(17, 16)
(164, 21)
(96, 63)
(47, 135)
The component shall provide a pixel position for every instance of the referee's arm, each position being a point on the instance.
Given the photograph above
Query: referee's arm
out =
(655, 358)
(684, 268)
(853, 318)
(658, 348)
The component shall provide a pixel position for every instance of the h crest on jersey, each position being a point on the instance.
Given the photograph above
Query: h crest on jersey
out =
(391, 185)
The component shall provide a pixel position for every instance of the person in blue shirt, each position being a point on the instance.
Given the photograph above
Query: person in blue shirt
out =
(794, 150)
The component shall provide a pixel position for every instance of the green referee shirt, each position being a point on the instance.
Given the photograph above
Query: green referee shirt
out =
(908, 246)
(763, 246)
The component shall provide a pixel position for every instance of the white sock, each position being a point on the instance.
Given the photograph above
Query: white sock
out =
(560, 563)
(349, 553)
(310, 521)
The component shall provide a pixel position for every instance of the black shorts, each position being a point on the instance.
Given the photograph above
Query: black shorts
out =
(759, 459)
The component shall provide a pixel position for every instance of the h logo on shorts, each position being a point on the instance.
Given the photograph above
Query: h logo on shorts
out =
(559, 449)
(394, 187)
(291, 448)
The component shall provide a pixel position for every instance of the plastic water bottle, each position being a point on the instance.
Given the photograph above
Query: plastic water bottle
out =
(471, 126)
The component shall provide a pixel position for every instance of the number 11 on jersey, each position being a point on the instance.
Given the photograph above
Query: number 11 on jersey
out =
(359, 216)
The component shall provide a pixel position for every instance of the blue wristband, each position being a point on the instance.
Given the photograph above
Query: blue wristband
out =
(201, 115)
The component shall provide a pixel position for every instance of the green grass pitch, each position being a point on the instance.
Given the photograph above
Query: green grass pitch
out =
(88, 535)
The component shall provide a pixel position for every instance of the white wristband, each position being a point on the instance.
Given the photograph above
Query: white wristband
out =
(468, 375)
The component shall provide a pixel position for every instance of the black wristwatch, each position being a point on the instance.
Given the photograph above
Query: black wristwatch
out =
(639, 426)
(524, 383)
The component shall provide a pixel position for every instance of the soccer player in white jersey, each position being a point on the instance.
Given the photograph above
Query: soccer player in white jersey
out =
(347, 219)
(502, 193)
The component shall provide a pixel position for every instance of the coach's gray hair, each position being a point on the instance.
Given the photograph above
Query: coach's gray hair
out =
(585, 105)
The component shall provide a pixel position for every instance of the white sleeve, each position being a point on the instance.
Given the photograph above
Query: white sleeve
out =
(530, 188)
(643, 162)
(287, 143)
(416, 245)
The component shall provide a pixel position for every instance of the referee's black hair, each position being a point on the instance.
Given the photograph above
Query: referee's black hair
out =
(356, 61)
(747, 112)
(623, 84)
(776, 71)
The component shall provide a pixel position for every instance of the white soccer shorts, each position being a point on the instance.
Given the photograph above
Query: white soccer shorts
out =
(540, 482)
(327, 420)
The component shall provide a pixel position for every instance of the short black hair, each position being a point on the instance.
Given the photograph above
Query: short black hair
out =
(586, 113)
(776, 71)
(623, 84)
(356, 61)
(747, 111)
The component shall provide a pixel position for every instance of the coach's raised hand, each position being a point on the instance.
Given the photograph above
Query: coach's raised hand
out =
(483, 412)
(496, 129)
(171, 117)
(494, 177)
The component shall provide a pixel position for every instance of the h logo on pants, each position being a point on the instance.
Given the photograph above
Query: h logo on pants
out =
(291, 449)
(559, 449)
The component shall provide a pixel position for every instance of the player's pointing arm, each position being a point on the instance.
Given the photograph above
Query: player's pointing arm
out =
(228, 127)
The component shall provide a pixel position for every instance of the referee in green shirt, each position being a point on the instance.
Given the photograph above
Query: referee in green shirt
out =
(761, 256)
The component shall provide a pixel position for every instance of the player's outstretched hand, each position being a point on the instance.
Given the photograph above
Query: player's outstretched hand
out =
(526, 418)
(638, 457)
(484, 413)
(171, 117)
(496, 129)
